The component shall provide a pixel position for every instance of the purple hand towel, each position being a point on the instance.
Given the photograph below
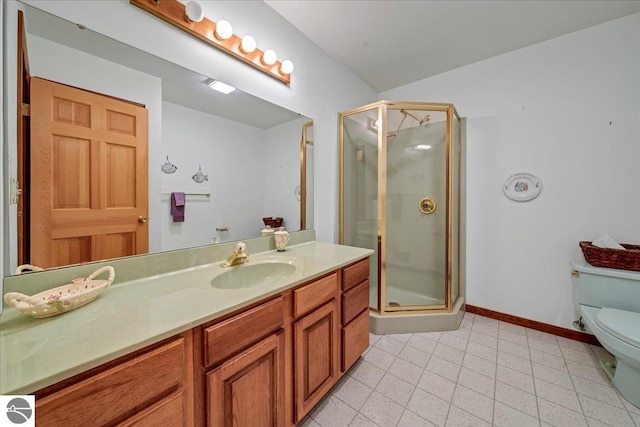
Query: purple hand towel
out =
(177, 206)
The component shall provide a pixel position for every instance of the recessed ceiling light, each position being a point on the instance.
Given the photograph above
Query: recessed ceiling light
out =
(221, 87)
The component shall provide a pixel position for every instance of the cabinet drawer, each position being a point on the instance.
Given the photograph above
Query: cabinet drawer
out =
(355, 273)
(166, 413)
(120, 390)
(354, 301)
(314, 294)
(355, 339)
(238, 332)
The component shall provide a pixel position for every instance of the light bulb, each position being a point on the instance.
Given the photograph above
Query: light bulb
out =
(269, 57)
(224, 30)
(286, 67)
(194, 11)
(248, 44)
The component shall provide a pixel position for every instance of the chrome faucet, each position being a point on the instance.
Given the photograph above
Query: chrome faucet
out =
(239, 256)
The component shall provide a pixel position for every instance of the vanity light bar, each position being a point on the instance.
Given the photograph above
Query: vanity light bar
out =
(175, 13)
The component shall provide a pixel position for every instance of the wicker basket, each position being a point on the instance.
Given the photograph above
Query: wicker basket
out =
(628, 259)
(274, 222)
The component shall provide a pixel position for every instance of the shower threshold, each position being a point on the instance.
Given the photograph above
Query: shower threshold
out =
(404, 323)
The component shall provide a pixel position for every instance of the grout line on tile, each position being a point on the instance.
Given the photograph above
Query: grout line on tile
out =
(535, 393)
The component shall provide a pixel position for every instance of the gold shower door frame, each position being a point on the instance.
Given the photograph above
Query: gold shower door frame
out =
(383, 107)
(304, 141)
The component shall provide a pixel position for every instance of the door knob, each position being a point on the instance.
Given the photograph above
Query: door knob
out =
(143, 219)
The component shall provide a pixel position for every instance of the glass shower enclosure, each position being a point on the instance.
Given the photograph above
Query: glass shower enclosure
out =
(400, 176)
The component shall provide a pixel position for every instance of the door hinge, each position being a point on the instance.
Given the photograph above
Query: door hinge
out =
(26, 110)
(14, 191)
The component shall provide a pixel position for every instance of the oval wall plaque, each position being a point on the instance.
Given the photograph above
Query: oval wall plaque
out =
(522, 187)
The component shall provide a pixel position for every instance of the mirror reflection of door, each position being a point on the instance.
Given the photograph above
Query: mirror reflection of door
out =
(88, 176)
(22, 153)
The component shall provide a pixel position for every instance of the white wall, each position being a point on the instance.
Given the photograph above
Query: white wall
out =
(282, 172)
(320, 87)
(566, 110)
(232, 156)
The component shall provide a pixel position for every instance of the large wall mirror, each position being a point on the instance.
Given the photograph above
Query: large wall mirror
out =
(237, 158)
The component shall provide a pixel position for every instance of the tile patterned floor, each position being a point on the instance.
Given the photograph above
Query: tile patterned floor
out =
(487, 373)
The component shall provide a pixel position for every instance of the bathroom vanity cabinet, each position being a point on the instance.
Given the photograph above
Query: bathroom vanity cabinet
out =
(267, 364)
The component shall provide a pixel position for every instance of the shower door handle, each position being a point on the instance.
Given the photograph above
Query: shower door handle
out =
(427, 206)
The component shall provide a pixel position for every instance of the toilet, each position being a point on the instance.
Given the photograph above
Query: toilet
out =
(609, 302)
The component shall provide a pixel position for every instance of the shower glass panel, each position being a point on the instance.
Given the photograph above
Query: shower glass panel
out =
(416, 209)
(360, 188)
(400, 177)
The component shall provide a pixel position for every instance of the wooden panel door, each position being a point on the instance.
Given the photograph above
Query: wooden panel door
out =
(316, 357)
(248, 389)
(88, 176)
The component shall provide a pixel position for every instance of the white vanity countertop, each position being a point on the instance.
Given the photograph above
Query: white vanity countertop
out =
(35, 353)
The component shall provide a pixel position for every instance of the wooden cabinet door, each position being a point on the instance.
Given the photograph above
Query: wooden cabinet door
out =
(248, 389)
(316, 357)
(89, 176)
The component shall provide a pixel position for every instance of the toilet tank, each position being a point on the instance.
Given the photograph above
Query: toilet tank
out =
(606, 287)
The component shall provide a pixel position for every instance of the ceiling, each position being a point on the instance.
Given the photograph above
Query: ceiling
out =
(392, 43)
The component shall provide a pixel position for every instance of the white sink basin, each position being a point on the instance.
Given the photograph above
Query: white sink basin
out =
(249, 275)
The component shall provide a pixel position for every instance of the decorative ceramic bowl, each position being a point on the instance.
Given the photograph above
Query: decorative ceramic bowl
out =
(63, 298)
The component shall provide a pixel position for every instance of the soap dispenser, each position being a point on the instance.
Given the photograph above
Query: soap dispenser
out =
(282, 238)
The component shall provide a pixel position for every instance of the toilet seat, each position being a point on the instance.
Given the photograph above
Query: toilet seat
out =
(624, 325)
